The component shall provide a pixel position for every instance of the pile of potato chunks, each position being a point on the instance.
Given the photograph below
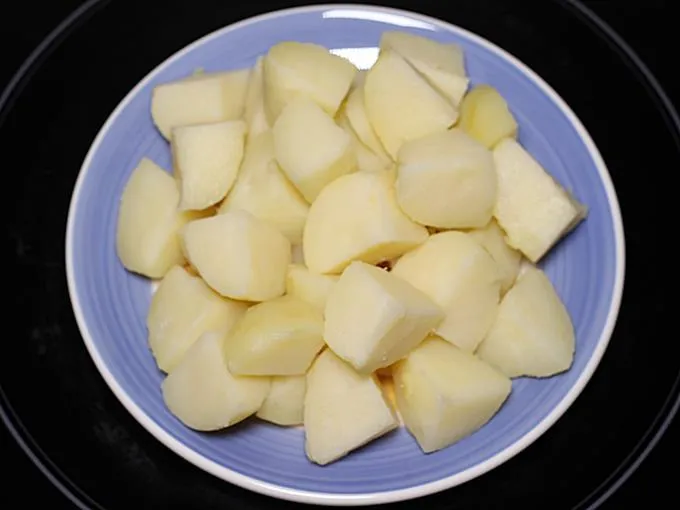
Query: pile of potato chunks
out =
(346, 249)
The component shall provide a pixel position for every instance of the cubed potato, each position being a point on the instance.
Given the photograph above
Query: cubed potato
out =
(532, 334)
(238, 255)
(310, 287)
(442, 64)
(356, 217)
(285, 402)
(294, 69)
(199, 99)
(253, 113)
(204, 395)
(533, 209)
(374, 318)
(264, 191)
(281, 336)
(401, 106)
(492, 239)
(446, 180)
(462, 278)
(310, 148)
(182, 309)
(486, 117)
(355, 110)
(147, 240)
(206, 160)
(367, 160)
(343, 410)
(445, 394)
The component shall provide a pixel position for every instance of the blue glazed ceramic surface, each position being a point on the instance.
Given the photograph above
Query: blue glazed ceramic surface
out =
(111, 304)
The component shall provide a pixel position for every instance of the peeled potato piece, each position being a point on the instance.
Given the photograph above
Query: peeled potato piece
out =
(254, 114)
(532, 334)
(182, 309)
(485, 116)
(278, 337)
(533, 209)
(374, 318)
(356, 217)
(147, 239)
(263, 190)
(367, 160)
(446, 180)
(238, 255)
(310, 287)
(199, 99)
(508, 260)
(445, 394)
(207, 158)
(462, 278)
(355, 110)
(204, 395)
(343, 410)
(285, 402)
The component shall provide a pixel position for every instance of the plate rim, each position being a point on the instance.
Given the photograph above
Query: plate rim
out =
(341, 499)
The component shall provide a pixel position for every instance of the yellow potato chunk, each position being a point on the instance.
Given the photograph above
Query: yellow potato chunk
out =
(486, 117)
(285, 402)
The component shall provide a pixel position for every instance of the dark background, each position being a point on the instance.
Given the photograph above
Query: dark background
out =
(648, 26)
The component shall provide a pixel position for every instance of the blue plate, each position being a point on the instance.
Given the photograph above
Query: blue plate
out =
(111, 304)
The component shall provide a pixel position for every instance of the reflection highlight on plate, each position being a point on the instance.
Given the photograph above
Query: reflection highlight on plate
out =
(380, 17)
(362, 58)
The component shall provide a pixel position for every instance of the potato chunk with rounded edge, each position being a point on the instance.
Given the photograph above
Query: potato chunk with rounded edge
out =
(254, 114)
(285, 402)
(532, 334)
(445, 394)
(485, 116)
(238, 255)
(446, 180)
(310, 287)
(492, 239)
(355, 110)
(204, 395)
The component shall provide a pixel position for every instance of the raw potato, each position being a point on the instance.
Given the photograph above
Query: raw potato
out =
(446, 180)
(238, 255)
(294, 69)
(367, 160)
(182, 309)
(533, 334)
(533, 209)
(206, 160)
(355, 110)
(281, 336)
(356, 217)
(343, 410)
(310, 148)
(462, 278)
(147, 239)
(310, 287)
(401, 105)
(492, 239)
(254, 114)
(204, 395)
(445, 394)
(285, 402)
(199, 99)
(374, 318)
(262, 190)
(441, 64)
(485, 116)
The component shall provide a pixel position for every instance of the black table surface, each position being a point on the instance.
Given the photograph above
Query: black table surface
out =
(648, 26)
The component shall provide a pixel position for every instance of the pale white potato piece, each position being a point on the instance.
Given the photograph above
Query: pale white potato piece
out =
(356, 217)
(310, 147)
(367, 160)
(199, 99)
(486, 117)
(182, 309)
(355, 110)
(533, 209)
(294, 69)
(445, 394)
(532, 334)
(238, 255)
(462, 278)
(147, 240)
(401, 105)
(206, 161)
(281, 336)
(264, 191)
(343, 410)
(204, 395)
(253, 113)
(492, 239)
(446, 180)
(285, 402)
(310, 287)
(374, 318)
(442, 64)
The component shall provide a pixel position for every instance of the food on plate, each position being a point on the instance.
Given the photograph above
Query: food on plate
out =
(486, 117)
(285, 401)
(355, 111)
(508, 260)
(367, 160)
(310, 287)
(253, 113)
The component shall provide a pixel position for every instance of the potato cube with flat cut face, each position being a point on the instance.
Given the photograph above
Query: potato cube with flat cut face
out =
(485, 116)
(355, 110)
(285, 401)
(253, 113)
(310, 287)
(492, 239)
